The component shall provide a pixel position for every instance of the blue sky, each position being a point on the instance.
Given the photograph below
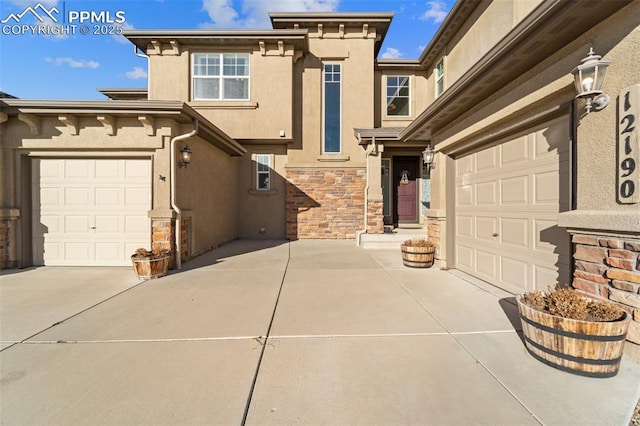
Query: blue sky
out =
(72, 66)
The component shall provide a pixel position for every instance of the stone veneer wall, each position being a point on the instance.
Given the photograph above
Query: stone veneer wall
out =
(433, 234)
(7, 234)
(609, 268)
(162, 238)
(324, 203)
(375, 217)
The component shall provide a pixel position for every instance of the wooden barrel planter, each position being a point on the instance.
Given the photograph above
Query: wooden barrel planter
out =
(417, 257)
(147, 268)
(585, 348)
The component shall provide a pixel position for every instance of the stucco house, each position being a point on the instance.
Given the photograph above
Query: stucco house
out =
(301, 132)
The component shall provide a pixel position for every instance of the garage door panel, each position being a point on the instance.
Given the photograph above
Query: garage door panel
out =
(514, 231)
(77, 223)
(465, 195)
(547, 189)
(465, 256)
(90, 211)
(514, 272)
(465, 226)
(136, 196)
(105, 224)
(486, 263)
(514, 152)
(531, 188)
(485, 228)
(550, 238)
(486, 193)
(78, 197)
(514, 190)
(78, 169)
(487, 159)
(109, 197)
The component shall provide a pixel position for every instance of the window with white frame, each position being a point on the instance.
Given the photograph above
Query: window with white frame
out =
(398, 96)
(439, 74)
(332, 108)
(263, 172)
(220, 76)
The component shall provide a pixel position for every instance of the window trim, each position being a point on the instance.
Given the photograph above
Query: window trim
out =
(386, 96)
(221, 77)
(324, 115)
(438, 79)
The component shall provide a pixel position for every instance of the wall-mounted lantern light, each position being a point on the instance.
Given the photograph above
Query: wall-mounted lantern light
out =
(185, 156)
(588, 79)
(427, 158)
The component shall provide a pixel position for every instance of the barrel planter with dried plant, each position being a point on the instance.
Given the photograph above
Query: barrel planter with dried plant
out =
(585, 347)
(150, 264)
(417, 253)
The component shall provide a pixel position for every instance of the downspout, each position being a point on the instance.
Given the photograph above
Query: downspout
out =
(174, 206)
(142, 55)
(371, 149)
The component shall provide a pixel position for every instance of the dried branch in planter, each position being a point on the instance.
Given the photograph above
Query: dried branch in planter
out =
(568, 303)
(143, 253)
(417, 242)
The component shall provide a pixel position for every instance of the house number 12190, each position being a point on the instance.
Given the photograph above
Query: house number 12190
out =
(629, 145)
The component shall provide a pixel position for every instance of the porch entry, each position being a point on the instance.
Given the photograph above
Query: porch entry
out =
(405, 189)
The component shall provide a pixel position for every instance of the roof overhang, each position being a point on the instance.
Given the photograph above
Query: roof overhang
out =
(378, 20)
(122, 94)
(144, 38)
(377, 134)
(548, 28)
(176, 110)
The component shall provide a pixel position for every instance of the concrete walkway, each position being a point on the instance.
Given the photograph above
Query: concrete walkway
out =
(308, 332)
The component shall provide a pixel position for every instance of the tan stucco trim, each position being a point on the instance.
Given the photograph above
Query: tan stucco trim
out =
(614, 220)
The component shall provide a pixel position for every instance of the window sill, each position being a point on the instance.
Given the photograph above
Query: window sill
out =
(224, 104)
(262, 192)
(333, 157)
(398, 117)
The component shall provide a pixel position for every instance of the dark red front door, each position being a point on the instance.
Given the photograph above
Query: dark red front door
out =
(405, 174)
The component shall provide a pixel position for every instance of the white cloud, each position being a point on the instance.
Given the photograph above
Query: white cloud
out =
(73, 63)
(255, 13)
(391, 53)
(436, 12)
(32, 3)
(119, 37)
(136, 73)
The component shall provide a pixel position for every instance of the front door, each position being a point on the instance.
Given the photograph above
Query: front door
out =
(405, 183)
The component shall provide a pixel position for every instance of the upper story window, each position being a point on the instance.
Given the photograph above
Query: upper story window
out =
(398, 96)
(220, 76)
(439, 74)
(332, 108)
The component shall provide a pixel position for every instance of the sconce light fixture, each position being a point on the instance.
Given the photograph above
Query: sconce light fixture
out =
(588, 79)
(185, 156)
(427, 158)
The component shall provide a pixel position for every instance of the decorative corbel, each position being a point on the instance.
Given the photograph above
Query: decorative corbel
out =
(109, 122)
(263, 47)
(320, 30)
(157, 47)
(71, 121)
(365, 30)
(33, 121)
(297, 55)
(175, 46)
(281, 47)
(149, 124)
(341, 30)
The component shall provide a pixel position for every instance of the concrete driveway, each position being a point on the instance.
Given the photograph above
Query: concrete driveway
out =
(307, 332)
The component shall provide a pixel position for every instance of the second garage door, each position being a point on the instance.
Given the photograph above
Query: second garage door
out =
(508, 197)
(90, 212)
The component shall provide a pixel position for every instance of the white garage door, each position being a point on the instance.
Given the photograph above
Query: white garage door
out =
(90, 212)
(508, 197)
